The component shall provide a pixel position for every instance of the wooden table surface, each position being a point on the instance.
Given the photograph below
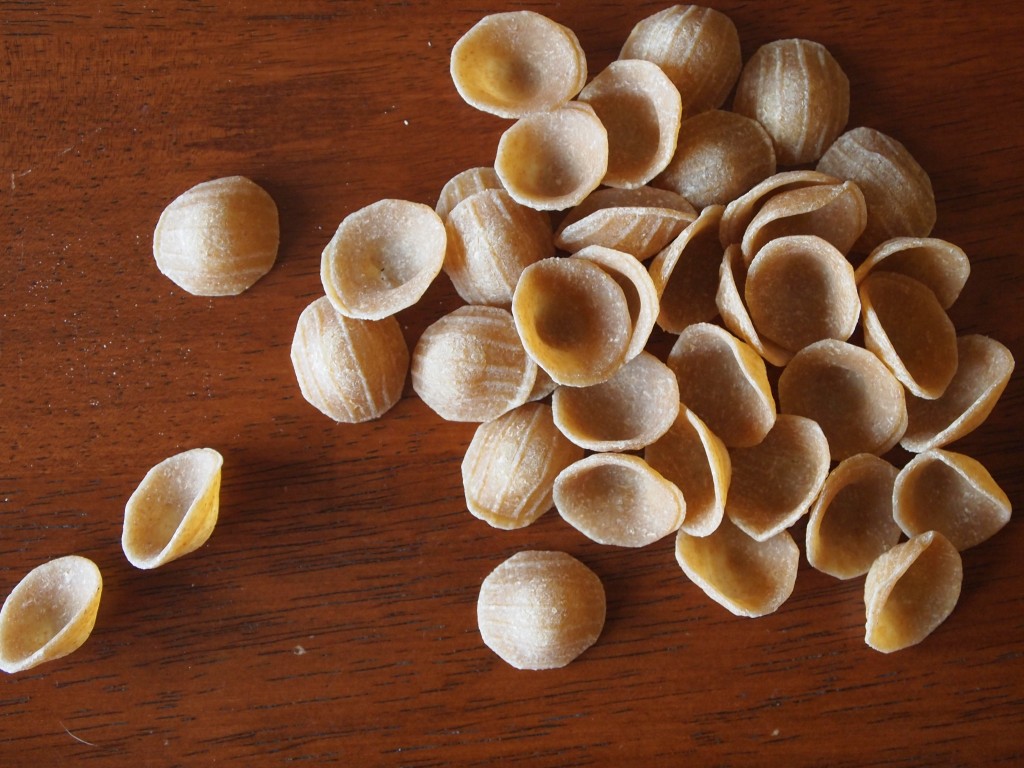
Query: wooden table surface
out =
(331, 617)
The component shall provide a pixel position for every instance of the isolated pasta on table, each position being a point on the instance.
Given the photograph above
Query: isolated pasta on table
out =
(50, 613)
(218, 238)
(174, 509)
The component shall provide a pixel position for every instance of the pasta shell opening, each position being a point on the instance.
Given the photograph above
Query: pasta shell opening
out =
(515, 63)
(618, 499)
(174, 510)
(641, 110)
(50, 613)
(383, 258)
(553, 160)
(910, 590)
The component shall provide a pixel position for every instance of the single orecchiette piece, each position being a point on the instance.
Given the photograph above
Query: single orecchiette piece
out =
(174, 510)
(799, 289)
(718, 157)
(775, 482)
(939, 264)
(950, 493)
(910, 590)
(383, 258)
(897, 190)
(50, 613)
(854, 398)
(799, 93)
(983, 370)
(629, 411)
(218, 238)
(471, 366)
(851, 522)
(540, 610)
(509, 469)
(686, 273)
(514, 63)
(693, 457)
(553, 160)
(638, 221)
(745, 576)
(697, 47)
(618, 499)
(908, 329)
(725, 382)
(491, 240)
(573, 319)
(641, 110)
(350, 370)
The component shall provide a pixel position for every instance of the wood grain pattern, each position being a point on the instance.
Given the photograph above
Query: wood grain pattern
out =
(331, 617)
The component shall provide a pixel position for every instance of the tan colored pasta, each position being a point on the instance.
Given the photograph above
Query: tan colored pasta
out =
(552, 160)
(686, 273)
(939, 264)
(573, 319)
(218, 238)
(908, 329)
(383, 258)
(851, 522)
(491, 240)
(697, 47)
(724, 381)
(50, 613)
(746, 577)
(983, 370)
(618, 499)
(775, 482)
(897, 190)
(174, 510)
(540, 610)
(799, 93)
(799, 289)
(641, 109)
(910, 590)
(740, 212)
(951, 493)
(693, 457)
(515, 63)
(732, 282)
(629, 411)
(471, 366)
(465, 184)
(350, 370)
(836, 213)
(718, 157)
(854, 398)
(637, 286)
(638, 221)
(509, 469)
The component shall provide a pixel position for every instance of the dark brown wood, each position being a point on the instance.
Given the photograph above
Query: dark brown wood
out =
(331, 617)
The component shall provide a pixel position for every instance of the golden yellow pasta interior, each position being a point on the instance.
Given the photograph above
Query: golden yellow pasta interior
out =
(50, 613)
(174, 509)
(514, 63)
(910, 590)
